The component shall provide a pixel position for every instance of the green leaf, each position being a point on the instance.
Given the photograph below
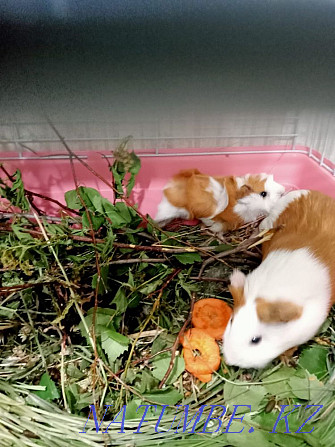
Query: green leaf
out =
(72, 200)
(84, 400)
(120, 301)
(306, 388)
(222, 247)
(21, 235)
(244, 395)
(131, 409)
(51, 391)
(10, 309)
(151, 287)
(161, 364)
(244, 439)
(188, 258)
(136, 164)
(110, 211)
(162, 341)
(295, 420)
(131, 279)
(123, 211)
(113, 343)
(97, 221)
(314, 359)
(266, 423)
(103, 319)
(281, 387)
(147, 382)
(130, 184)
(134, 412)
(18, 198)
(168, 396)
(118, 179)
(91, 197)
(300, 387)
(325, 326)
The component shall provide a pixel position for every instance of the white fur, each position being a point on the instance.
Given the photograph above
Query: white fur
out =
(296, 276)
(216, 227)
(220, 196)
(237, 279)
(222, 199)
(252, 206)
(240, 181)
(280, 206)
(166, 212)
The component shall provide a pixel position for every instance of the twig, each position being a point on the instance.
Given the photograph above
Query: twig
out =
(176, 343)
(97, 286)
(62, 372)
(16, 288)
(138, 260)
(241, 247)
(31, 216)
(145, 359)
(207, 278)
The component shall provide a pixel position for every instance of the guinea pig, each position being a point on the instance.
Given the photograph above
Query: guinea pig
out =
(283, 302)
(221, 203)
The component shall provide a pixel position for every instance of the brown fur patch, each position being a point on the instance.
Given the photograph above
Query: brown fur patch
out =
(308, 222)
(238, 295)
(188, 190)
(256, 183)
(277, 311)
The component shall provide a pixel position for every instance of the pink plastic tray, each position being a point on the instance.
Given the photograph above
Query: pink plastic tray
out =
(54, 177)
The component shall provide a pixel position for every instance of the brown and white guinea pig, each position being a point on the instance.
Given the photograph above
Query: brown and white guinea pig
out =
(284, 301)
(221, 203)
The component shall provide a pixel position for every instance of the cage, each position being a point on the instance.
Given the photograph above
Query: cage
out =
(297, 148)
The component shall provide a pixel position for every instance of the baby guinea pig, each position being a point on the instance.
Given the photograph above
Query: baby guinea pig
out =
(284, 301)
(221, 203)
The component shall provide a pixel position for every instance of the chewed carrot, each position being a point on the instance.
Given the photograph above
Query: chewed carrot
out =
(212, 316)
(201, 353)
(204, 377)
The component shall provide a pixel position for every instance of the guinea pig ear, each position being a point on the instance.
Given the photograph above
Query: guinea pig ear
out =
(243, 191)
(277, 311)
(236, 288)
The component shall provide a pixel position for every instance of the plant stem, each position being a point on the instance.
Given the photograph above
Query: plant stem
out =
(176, 343)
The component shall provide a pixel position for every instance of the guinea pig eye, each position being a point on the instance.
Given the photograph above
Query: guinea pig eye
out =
(256, 340)
(263, 193)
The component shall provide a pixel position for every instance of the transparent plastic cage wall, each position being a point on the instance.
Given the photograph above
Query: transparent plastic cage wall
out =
(298, 150)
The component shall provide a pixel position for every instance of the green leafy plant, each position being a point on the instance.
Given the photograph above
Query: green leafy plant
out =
(93, 320)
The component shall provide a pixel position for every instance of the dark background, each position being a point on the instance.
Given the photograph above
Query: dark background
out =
(150, 58)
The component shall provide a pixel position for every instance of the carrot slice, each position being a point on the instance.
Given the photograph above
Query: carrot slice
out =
(212, 316)
(204, 377)
(201, 352)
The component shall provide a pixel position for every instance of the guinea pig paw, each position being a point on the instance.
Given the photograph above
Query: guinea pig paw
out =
(217, 228)
(287, 357)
